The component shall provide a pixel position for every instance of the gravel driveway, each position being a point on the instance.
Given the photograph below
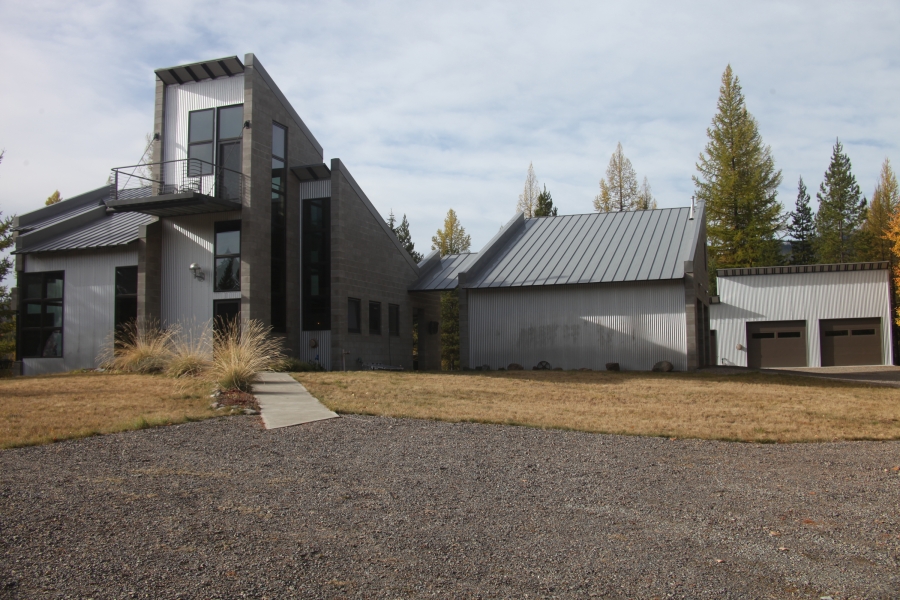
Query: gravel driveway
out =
(377, 507)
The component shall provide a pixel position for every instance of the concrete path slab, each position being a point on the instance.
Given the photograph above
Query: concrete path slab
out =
(284, 402)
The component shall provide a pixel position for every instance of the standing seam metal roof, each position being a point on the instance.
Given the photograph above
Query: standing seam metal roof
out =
(116, 229)
(444, 276)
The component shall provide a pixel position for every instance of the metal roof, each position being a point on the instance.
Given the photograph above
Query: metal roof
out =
(115, 229)
(207, 69)
(51, 220)
(443, 277)
(312, 172)
(593, 248)
(789, 269)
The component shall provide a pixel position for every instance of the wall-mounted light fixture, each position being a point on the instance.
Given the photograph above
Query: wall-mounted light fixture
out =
(197, 271)
(246, 124)
(156, 137)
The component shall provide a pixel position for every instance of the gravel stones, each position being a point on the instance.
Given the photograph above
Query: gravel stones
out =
(385, 508)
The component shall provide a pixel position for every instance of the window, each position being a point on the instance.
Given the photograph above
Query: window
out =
(863, 332)
(41, 315)
(788, 334)
(228, 256)
(225, 313)
(279, 227)
(126, 296)
(230, 131)
(353, 325)
(837, 333)
(200, 142)
(316, 264)
(375, 318)
(393, 319)
(763, 336)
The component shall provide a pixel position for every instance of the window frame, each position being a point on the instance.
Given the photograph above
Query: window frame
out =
(278, 218)
(394, 320)
(205, 169)
(225, 227)
(357, 304)
(117, 318)
(44, 301)
(315, 309)
(374, 324)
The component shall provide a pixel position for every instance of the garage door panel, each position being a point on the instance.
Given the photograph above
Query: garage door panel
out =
(776, 344)
(851, 342)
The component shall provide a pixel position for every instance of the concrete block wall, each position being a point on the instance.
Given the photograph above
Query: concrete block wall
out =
(149, 272)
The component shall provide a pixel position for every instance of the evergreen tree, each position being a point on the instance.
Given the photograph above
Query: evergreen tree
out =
(403, 234)
(452, 239)
(645, 199)
(739, 184)
(842, 210)
(802, 229)
(7, 311)
(875, 244)
(545, 206)
(619, 190)
(529, 196)
(54, 198)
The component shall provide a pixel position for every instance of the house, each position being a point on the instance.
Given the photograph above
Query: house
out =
(803, 316)
(237, 216)
(580, 291)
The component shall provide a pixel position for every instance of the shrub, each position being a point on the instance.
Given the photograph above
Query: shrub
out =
(141, 347)
(241, 352)
(191, 350)
(291, 364)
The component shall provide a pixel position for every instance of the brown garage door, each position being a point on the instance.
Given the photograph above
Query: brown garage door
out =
(848, 342)
(776, 344)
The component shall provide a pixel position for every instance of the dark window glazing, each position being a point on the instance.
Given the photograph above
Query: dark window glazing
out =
(375, 318)
(353, 315)
(316, 264)
(230, 130)
(228, 256)
(200, 142)
(225, 313)
(394, 319)
(126, 296)
(41, 315)
(279, 227)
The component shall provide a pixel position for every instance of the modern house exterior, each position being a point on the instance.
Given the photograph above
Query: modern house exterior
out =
(580, 291)
(236, 216)
(803, 316)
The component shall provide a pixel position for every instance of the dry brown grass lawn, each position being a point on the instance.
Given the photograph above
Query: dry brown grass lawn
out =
(37, 410)
(745, 407)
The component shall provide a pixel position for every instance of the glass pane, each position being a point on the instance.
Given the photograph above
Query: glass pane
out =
(230, 156)
(352, 314)
(32, 285)
(314, 285)
(54, 287)
(279, 134)
(31, 343)
(32, 315)
(231, 122)
(201, 126)
(374, 317)
(226, 311)
(228, 242)
(200, 152)
(52, 344)
(126, 311)
(863, 332)
(228, 274)
(53, 315)
(126, 280)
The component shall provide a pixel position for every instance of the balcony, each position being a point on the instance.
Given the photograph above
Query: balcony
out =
(174, 188)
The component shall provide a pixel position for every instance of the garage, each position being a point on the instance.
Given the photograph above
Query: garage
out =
(848, 342)
(776, 344)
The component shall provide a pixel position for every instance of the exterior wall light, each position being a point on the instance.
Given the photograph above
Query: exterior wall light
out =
(198, 272)
(246, 124)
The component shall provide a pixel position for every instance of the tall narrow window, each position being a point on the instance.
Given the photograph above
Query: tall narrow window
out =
(394, 319)
(316, 264)
(228, 162)
(226, 313)
(353, 316)
(375, 318)
(200, 142)
(279, 227)
(126, 296)
(228, 256)
(41, 315)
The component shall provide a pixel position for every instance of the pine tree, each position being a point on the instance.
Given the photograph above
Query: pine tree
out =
(619, 190)
(739, 184)
(802, 229)
(842, 210)
(54, 198)
(528, 198)
(452, 239)
(645, 199)
(404, 236)
(876, 245)
(545, 206)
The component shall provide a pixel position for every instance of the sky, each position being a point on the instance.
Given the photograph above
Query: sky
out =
(435, 106)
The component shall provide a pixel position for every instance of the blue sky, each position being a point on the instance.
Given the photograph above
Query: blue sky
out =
(440, 105)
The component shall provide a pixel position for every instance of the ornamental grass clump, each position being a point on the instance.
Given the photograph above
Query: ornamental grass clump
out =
(241, 352)
(141, 347)
(191, 352)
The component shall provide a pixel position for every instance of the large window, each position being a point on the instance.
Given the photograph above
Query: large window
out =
(228, 256)
(126, 296)
(230, 130)
(394, 319)
(225, 313)
(353, 316)
(279, 227)
(375, 318)
(200, 142)
(316, 264)
(41, 315)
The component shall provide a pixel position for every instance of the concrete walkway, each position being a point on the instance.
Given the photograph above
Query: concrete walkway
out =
(284, 402)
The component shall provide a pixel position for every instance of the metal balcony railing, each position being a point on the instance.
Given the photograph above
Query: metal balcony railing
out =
(177, 177)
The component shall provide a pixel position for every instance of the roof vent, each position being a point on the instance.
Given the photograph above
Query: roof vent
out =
(692, 209)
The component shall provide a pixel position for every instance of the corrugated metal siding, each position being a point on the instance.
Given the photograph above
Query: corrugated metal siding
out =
(633, 324)
(808, 297)
(89, 305)
(181, 100)
(315, 189)
(594, 248)
(116, 229)
(321, 353)
(186, 240)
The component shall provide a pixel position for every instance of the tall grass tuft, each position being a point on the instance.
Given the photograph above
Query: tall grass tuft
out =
(141, 347)
(241, 352)
(191, 351)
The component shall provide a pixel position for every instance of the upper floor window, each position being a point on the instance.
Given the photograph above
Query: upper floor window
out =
(208, 127)
(200, 142)
(228, 256)
(41, 315)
